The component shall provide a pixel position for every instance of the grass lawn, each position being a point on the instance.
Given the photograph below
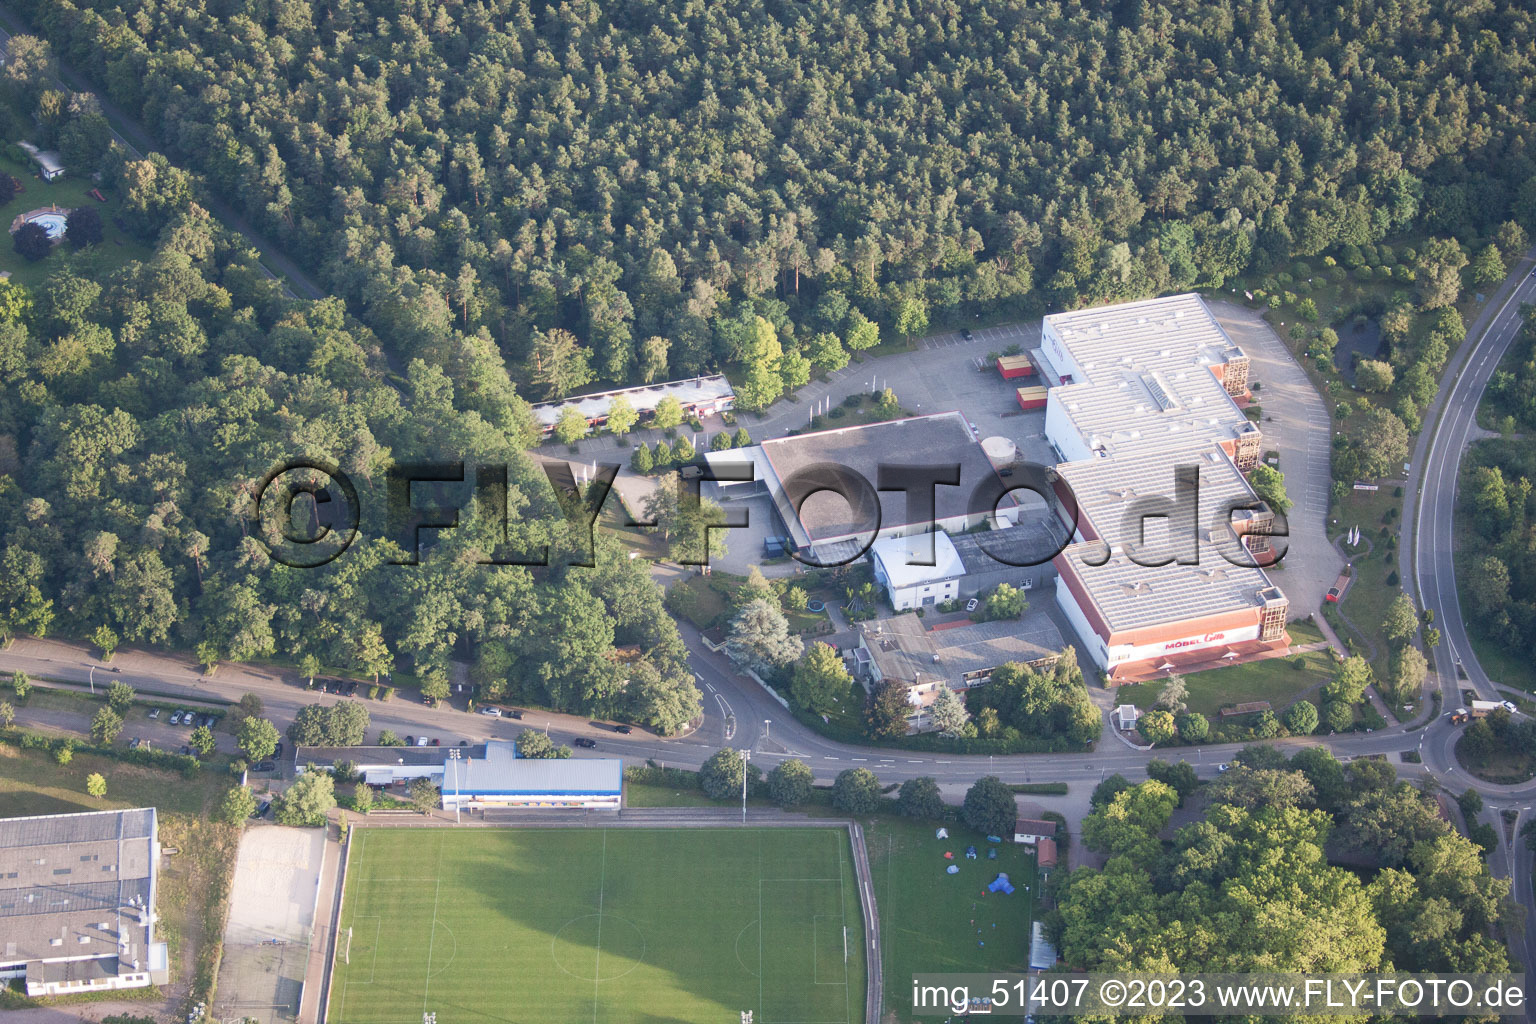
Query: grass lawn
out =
(67, 192)
(1502, 766)
(608, 925)
(1276, 680)
(933, 922)
(32, 782)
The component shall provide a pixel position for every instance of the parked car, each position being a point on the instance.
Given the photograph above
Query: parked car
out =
(277, 751)
(1509, 706)
(186, 751)
(582, 741)
(436, 742)
(351, 687)
(972, 604)
(492, 712)
(966, 334)
(175, 717)
(267, 766)
(262, 809)
(421, 741)
(154, 713)
(515, 714)
(410, 741)
(133, 744)
(1223, 767)
(626, 730)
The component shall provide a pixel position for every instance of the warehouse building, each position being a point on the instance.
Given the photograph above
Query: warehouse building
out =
(1166, 571)
(699, 396)
(828, 520)
(77, 902)
(476, 777)
(1139, 376)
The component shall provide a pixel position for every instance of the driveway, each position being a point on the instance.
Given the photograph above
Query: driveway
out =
(1296, 424)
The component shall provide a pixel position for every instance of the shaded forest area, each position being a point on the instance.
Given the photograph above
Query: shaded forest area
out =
(617, 193)
(138, 414)
(1299, 864)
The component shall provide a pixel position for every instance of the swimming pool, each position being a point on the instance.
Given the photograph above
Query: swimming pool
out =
(53, 223)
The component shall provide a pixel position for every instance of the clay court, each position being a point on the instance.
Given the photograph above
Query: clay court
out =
(271, 917)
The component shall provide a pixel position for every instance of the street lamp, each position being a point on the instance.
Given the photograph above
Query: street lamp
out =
(746, 756)
(92, 678)
(767, 728)
(453, 755)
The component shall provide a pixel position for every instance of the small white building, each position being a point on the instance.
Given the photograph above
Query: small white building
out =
(49, 164)
(485, 775)
(918, 570)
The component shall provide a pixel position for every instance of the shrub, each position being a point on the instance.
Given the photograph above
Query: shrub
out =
(857, 791)
(31, 241)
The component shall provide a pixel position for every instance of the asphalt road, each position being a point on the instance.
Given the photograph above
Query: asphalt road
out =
(1430, 563)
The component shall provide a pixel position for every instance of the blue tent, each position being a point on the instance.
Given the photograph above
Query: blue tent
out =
(1001, 884)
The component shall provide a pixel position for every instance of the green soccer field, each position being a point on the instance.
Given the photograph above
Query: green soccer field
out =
(618, 925)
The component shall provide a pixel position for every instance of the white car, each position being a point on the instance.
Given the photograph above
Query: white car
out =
(1508, 705)
(972, 605)
(1223, 767)
(421, 741)
(493, 712)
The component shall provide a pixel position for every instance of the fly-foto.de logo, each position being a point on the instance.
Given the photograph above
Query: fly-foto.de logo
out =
(309, 511)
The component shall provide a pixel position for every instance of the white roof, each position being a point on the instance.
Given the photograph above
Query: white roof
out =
(644, 399)
(901, 559)
(1144, 374)
(1110, 491)
(46, 158)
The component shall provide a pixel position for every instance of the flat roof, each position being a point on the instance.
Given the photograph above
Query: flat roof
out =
(81, 881)
(502, 773)
(943, 438)
(86, 827)
(1143, 373)
(1112, 492)
(491, 768)
(380, 757)
(907, 651)
(644, 398)
(1034, 540)
(902, 558)
(1132, 596)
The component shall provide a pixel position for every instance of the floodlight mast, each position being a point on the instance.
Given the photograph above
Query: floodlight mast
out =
(453, 755)
(746, 755)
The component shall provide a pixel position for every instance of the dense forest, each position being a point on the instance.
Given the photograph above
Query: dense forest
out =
(618, 192)
(139, 411)
(1263, 880)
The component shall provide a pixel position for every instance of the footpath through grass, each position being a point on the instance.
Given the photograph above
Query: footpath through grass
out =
(620, 925)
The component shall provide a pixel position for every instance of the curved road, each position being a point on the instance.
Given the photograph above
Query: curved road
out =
(1430, 562)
